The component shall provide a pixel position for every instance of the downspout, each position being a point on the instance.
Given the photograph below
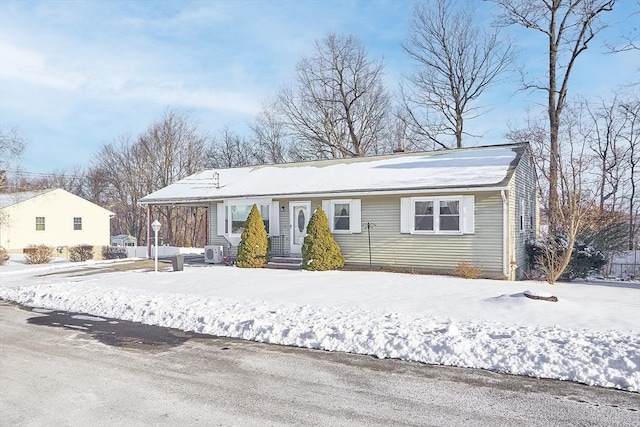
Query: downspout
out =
(505, 235)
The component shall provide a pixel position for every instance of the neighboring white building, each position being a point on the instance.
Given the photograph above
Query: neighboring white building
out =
(123, 240)
(52, 217)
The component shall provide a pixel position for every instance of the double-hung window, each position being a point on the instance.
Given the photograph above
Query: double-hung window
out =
(39, 223)
(344, 215)
(77, 223)
(437, 215)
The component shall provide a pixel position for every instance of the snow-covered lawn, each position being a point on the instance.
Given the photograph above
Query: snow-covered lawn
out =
(591, 335)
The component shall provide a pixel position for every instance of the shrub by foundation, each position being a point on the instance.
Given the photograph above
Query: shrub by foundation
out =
(80, 253)
(320, 251)
(254, 243)
(467, 270)
(114, 252)
(4, 255)
(38, 254)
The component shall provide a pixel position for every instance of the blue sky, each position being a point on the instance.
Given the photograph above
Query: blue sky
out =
(75, 75)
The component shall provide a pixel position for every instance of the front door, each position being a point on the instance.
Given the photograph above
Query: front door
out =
(299, 219)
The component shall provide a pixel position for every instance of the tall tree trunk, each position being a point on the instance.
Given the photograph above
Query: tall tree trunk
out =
(554, 124)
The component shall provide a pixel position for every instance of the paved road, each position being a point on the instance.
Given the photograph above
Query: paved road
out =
(89, 371)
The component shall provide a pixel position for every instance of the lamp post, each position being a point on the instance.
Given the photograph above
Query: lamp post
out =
(156, 227)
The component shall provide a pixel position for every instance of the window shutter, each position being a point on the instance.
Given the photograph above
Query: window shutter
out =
(355, 220)
(405, 215)
(274, 219)
(468, 214)
(220, 215)
(326, 207)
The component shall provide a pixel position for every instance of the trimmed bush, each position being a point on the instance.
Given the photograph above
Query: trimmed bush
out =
(320, 251)
(38, 254)
(467, 270)
(114, 252)
(4, 255)
(254, 243)
(80, 253)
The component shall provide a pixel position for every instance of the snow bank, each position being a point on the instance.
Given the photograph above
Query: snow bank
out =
(608, 358)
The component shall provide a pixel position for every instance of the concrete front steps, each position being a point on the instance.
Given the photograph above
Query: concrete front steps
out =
(285, 263)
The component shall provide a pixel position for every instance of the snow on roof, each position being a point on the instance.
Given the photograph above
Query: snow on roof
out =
(9, 199)
(461, 168)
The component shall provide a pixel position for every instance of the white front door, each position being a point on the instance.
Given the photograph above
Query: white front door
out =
(299, 213)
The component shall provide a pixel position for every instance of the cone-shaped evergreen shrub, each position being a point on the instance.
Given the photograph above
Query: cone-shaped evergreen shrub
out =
(320, 251)
(252, 250)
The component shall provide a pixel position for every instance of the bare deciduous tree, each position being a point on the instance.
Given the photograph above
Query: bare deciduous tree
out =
(12, 145)
(631, 110)
(577, 197)
(456, 61)
(569, 26)
(609, 148)
(116, 163)
(338, 105)
(597, 166)
(272, 142)
(171, 149)
(230, 150)
(630, 41)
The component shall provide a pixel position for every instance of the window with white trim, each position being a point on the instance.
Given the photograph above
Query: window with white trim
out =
(436, 215)
(522, 215)
(238, 213)
(39, 223)
(77, 223)
(232, 217)
(344, 215)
